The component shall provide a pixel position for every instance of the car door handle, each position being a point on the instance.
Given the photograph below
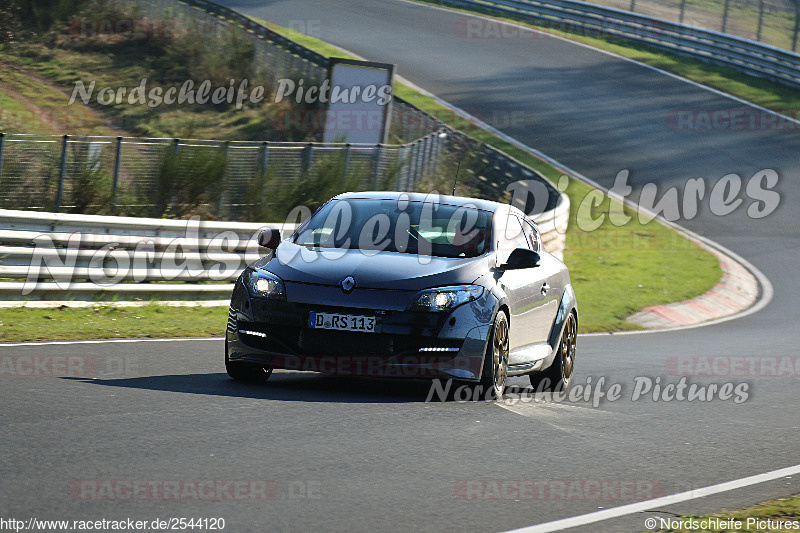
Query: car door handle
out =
(545, 288)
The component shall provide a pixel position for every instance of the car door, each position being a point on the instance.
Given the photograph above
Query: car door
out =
(523, 288)
(551, 272)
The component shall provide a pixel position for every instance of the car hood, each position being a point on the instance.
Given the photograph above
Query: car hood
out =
(384, 270)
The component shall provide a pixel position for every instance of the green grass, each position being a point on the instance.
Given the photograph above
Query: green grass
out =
(117, 61)
(785, 509)
(28, 105)
(14, 114)
(126, 69)
(759, 91)
(107, 322)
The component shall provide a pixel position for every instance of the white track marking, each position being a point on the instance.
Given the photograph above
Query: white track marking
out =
(545, 410)
(615, 512)
(110, 341)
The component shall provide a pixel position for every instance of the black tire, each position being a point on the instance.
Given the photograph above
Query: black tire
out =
(246, 372)
(495, 360)
(558, 377)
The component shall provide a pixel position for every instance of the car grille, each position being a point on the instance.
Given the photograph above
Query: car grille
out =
(316, 342)
(313, 342)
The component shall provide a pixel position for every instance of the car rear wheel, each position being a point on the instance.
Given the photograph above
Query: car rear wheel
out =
(559, 375)
(495, 362)
(246, 372)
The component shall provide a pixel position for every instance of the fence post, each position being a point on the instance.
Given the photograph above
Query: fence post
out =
(441, 146)
(376, 176)
(437, 146)
(346, 162)
(796, 26)
(62, 173)
(402, 176)
(422, 152)
(760, 19)
(2, 148)
(412, 154)
(429, 152)
(683, 10)
(115, 183)
(264, 166)
(633, 6)
(176, 150)
(224, 184)
(424, 159)
(415, 174)
(264, 156)
(725, 15)
(308, 158)
(421, 159)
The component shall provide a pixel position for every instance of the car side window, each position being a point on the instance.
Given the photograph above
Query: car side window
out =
(532, 234)
(511, 236)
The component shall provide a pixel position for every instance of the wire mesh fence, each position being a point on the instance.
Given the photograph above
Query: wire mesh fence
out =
(773, 22)
(176, 177)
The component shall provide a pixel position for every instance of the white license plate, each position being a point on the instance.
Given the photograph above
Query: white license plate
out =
(365, 324)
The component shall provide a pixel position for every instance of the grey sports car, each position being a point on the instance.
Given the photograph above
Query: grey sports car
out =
(407, 285)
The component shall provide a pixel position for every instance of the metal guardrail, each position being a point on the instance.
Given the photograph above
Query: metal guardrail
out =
(747, 56)
(53, 259)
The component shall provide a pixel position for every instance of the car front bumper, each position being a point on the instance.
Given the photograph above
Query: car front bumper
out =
(407, 344)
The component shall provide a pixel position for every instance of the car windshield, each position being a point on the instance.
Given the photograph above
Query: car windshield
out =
(415, 227)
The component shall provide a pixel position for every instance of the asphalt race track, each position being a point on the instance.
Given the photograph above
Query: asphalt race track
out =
(351, 454)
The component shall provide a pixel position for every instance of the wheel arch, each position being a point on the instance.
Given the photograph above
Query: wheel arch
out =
(502, 307)
(568, 305)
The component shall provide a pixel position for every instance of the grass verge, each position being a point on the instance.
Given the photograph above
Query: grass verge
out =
(106, 322)
(29, 105)
(65, 54)
(784, 509)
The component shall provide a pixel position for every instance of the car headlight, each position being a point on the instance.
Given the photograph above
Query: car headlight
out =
(266, 285)
(445, 298)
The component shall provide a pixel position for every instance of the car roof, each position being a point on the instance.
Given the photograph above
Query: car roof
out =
(485, 205)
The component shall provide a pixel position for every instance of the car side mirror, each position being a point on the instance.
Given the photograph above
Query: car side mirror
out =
(522, 258)
(269, 238)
